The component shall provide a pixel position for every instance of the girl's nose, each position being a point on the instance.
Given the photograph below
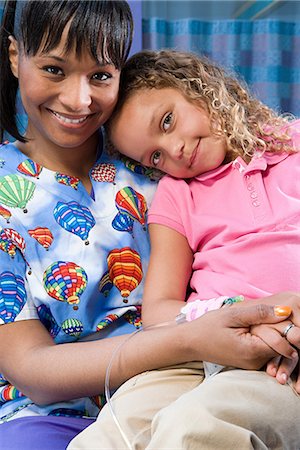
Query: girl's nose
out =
(176, 149)
(76, 95)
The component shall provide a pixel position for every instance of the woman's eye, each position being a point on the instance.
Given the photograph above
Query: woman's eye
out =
(53, 70)
(167, 122)
(101, 76)
(155, 158)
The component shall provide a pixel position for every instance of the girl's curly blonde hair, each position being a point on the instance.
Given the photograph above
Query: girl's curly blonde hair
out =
(248, 125)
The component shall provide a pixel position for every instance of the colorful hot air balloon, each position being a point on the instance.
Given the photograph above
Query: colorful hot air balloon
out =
(134, 317)
(104, 172)
(123, 222)
(131, 202)
(10, 240)
(6, 244)
(72, 327)
(42, 235)
(48, 320)
(5, 213)
(125, 270)
(75, 218)
(133, 166)
(9, 392)
(12, 296)
(107, 320)
(16, 191)
(30, 168)
(67, 180)
(65, 282)
(15, 238)
(105, 284)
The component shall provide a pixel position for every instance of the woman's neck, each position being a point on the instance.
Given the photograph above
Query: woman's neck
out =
(75, 162)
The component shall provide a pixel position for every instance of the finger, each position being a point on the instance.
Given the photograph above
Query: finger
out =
(293, 334)
(274, 340)
(257, 314)
(272, 366)
(285, 369)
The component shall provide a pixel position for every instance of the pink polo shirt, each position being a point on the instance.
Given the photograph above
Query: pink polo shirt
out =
(242, 223)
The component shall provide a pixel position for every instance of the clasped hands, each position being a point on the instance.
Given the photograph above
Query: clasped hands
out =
(280, 337)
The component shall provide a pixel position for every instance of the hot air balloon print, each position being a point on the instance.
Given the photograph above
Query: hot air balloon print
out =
(12, 296)
(42, 235)
(9, 392)
(30, 168)
(15, 238)
(10, 240)
(5, 213)
(67, 180)
(125, 270)
(105, 284)
(72, 327)
(123, 222)
(75, 218)
(134, 317)
(65, 282)
(7, 245)
(107, 320)
(104, 172)
(16, 191)
(131, 202)
(133, 166)
(48, 320)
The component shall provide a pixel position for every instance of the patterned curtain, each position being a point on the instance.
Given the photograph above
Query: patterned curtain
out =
(266, 53)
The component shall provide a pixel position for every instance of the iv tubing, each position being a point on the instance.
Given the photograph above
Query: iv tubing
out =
(179, 319)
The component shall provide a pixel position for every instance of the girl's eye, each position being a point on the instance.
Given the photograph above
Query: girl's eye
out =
(155, 158)
(53, 70)
(167, 122)
(101, 76)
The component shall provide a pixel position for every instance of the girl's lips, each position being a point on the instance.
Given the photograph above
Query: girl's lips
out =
(194, 154)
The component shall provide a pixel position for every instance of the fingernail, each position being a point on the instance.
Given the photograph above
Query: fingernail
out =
(280, 310)
(284, 377)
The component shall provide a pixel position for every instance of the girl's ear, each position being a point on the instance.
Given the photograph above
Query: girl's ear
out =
(13, 54)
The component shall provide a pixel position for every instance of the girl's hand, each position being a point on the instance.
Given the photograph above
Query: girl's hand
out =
(281, 366)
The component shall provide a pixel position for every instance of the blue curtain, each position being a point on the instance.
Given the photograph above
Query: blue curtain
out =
(266, 53)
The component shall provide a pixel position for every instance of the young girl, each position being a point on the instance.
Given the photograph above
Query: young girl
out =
(224, 222)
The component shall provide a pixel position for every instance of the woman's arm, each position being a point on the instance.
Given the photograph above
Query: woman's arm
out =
(47, 373)
(168, 275)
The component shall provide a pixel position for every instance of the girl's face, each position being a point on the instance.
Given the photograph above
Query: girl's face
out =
(66, 98)
(161, 129)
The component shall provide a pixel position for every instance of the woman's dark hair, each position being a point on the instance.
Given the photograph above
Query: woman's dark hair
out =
(103, 27)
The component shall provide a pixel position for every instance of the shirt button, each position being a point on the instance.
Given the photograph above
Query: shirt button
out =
(256, 203)
(250, 187)
(253, 194)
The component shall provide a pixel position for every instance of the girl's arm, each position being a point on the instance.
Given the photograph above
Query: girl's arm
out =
(168, 275)
(48, 373)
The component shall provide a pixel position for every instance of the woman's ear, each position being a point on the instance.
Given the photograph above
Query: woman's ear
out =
(13, 53)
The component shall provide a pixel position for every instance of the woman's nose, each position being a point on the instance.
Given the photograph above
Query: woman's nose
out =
(76, 95)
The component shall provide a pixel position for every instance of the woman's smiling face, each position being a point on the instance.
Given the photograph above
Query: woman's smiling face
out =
(160, 128)
(66, 98)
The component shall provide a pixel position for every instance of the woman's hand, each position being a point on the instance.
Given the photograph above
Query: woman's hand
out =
(228, 340)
